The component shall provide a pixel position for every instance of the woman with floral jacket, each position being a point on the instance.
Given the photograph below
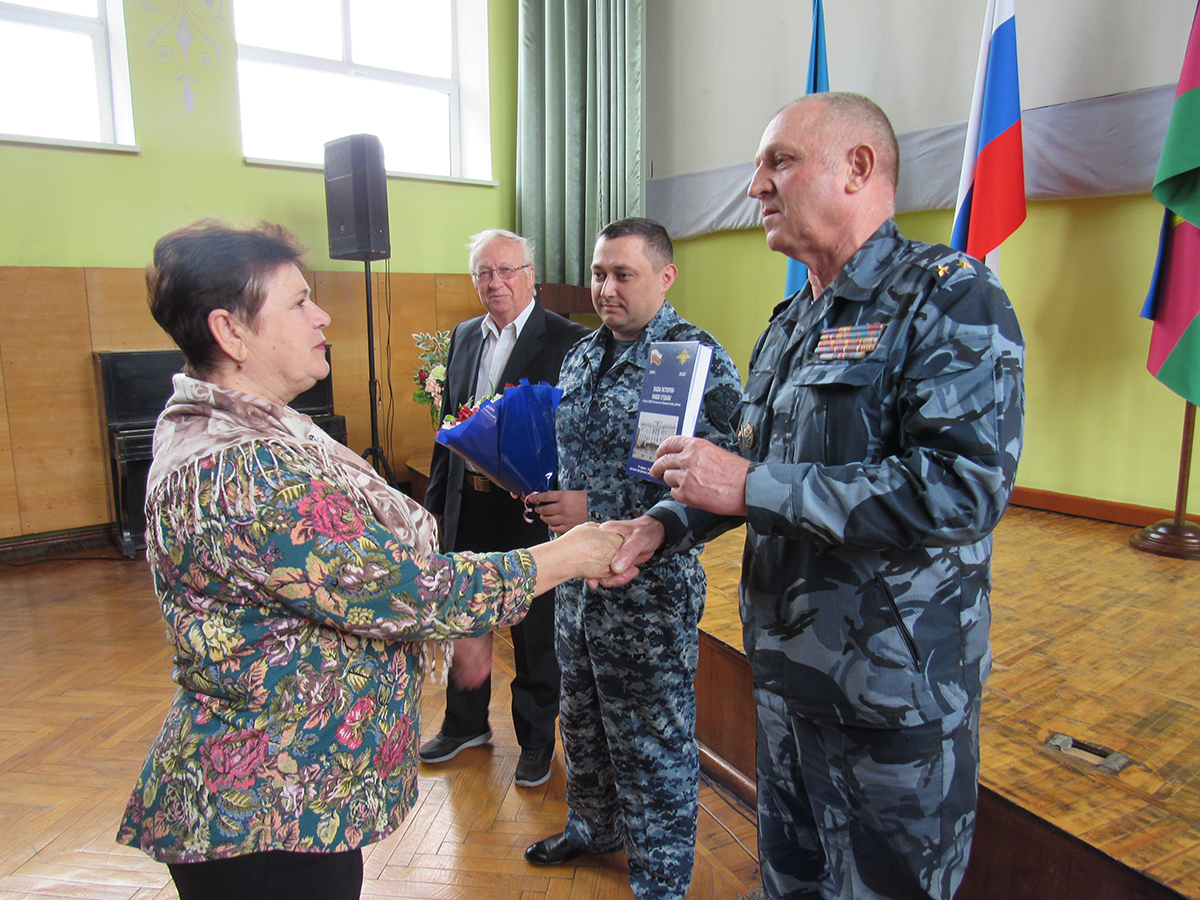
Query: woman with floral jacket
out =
(300, 593)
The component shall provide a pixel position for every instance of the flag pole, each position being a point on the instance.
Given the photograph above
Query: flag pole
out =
(1176, 537)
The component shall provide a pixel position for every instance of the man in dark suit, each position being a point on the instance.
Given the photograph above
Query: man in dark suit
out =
(516, 339)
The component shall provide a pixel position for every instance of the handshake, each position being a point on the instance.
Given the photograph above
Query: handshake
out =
(699, 474)
(608, 555)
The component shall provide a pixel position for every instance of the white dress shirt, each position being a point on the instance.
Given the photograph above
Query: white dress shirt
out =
(498, 345)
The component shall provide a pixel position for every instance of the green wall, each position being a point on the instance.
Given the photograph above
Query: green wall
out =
(76, 207)
(1097, 424)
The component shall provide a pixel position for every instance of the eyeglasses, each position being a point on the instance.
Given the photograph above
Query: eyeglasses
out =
(505, 272)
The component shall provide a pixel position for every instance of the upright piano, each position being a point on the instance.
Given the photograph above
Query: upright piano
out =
(135, 386)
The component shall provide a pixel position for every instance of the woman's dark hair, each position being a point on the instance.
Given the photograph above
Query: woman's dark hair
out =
(213, 265)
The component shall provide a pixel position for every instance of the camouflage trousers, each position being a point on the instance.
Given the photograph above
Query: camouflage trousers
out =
(628, 719)
(847, 812)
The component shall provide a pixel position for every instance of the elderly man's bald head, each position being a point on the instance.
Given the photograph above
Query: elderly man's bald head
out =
(848, 119)
(825, 177)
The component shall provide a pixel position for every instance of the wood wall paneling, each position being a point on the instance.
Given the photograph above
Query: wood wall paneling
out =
(408, 429)
(51, 396)
(119, 315)
(343, 295)
(10, 508)
(565, 299)
(418, 303)
(456, 301)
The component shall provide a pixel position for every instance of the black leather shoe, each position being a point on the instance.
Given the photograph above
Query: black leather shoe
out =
(556, 850)
(442, 748)
(552, 851)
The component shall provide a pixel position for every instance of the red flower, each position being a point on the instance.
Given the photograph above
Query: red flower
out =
(391, 749)
(350, 731)
(327, 511)
(233, 759)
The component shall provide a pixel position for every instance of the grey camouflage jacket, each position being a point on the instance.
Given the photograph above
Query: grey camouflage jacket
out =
(879, 468)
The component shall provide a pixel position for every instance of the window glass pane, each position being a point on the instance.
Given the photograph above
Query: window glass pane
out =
(311, 27)
(290, 113)
(56, 71)
(405, 35)
(75, 7)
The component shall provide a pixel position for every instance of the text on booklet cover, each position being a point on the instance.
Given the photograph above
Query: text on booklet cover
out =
(670, 402)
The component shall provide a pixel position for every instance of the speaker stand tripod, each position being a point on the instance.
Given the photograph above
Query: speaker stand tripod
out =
(374, 454)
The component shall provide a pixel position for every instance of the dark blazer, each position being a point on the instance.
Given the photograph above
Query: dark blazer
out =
(537, 355)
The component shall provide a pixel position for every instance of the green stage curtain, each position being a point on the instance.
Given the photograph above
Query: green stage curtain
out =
(580, 127)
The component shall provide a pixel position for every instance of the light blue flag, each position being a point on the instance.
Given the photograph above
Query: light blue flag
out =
(816, 83)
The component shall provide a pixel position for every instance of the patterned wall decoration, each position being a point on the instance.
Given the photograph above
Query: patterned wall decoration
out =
(184, 39)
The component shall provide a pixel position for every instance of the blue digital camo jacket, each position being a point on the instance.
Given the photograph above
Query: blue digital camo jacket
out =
(880, 463)
(595, 424)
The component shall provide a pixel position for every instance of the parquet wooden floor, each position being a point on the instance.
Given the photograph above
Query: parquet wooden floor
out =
(84, 683)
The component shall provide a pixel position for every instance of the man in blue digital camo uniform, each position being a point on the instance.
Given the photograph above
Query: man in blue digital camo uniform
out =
(628, 655)
(879, 437)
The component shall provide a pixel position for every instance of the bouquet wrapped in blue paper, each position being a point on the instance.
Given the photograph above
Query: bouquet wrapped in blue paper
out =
(511, 439)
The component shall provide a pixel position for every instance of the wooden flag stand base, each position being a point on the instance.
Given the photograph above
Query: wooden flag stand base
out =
(1175, 537)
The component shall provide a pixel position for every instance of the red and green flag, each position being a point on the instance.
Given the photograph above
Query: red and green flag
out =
(1174, 299)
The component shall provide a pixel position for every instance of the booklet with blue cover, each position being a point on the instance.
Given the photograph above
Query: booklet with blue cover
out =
(670, 402)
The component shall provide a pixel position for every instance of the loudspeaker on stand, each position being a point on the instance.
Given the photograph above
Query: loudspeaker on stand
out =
(356, 198)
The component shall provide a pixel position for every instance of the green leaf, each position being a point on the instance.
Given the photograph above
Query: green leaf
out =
(328, 830)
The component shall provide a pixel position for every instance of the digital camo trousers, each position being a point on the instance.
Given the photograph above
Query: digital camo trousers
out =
(863, 813)
(628, 718)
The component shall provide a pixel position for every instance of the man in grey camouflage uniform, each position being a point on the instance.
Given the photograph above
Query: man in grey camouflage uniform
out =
(628, 655)
(879, 437)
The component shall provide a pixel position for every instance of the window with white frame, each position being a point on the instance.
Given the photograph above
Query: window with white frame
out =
(64, 72)
(411, 72)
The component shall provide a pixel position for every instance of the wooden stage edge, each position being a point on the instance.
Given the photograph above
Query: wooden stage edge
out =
(1092, 640)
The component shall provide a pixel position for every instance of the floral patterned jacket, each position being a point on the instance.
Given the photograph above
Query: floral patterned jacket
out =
(295, 613)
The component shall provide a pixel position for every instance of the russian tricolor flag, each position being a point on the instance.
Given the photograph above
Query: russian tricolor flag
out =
(1174, 299)
(991, 190)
